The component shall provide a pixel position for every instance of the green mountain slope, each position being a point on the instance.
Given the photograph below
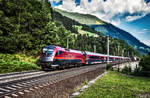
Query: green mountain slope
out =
(82, 18)
(74, 26)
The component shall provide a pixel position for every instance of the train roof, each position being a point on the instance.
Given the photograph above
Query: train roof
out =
(81, 52)
(69, 50)
(96, 54)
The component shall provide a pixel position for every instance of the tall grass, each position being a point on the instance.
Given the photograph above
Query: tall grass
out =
(116, 85)
(17, 62)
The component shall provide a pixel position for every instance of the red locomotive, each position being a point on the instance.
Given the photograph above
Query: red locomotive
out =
(54, 56)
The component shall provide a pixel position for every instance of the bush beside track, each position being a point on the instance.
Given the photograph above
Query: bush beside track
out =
(17, 63)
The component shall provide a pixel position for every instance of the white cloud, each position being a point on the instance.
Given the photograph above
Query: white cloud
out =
(147, 42)
(69, 5)
(116, 22)
(109, 9)
(131, 18)
(144, 31)
(55, 1)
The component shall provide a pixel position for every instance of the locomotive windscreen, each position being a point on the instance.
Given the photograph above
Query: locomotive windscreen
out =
(47, 52)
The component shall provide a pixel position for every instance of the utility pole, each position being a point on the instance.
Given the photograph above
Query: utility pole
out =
(132, 54)
(67, 43)
(118, 50)
(122, 52)
(114, 51)
(95, 48)
(107, 49)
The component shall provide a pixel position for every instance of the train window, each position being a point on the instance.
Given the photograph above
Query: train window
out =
(59, 52)
(94, 57)
(47, 52)
(91, 57)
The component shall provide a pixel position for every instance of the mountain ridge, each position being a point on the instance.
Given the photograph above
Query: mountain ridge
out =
(83, 20)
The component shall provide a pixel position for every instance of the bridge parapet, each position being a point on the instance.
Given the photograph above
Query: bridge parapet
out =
(121, 65)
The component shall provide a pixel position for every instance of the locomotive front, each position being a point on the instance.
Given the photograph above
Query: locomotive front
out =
(46, 57)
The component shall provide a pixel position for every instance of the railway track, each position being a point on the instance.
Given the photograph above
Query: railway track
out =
(17, 82)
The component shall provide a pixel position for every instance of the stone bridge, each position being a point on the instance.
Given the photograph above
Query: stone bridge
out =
(132, 64)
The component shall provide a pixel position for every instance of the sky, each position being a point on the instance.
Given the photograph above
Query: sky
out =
(132, 16)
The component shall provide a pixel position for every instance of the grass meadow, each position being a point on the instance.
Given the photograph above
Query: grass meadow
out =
(117, 85)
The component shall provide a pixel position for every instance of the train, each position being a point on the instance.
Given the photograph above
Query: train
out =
(52, 57)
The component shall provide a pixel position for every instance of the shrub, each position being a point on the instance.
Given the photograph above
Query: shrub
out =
(137, 69)
(17, 62)
(85, 82)
(145, 63)
(126, 70)
(109, 67)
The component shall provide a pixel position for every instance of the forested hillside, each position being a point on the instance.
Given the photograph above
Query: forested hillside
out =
(28, 25)
(71, 24)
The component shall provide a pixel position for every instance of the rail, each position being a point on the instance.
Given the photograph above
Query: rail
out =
(24, 81)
